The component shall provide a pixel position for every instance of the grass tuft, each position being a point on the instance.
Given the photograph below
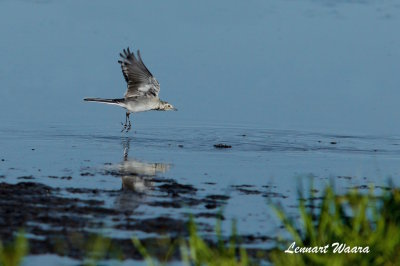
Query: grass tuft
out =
(196, 251)
(13, 253)
(354, 219)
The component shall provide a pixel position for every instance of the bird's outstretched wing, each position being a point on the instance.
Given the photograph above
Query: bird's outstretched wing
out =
(140, 81)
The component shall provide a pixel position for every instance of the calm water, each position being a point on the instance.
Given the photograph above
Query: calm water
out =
(260, 161)
(327, 66)
(301, 90)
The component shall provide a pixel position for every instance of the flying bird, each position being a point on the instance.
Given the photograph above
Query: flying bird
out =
(142, 92)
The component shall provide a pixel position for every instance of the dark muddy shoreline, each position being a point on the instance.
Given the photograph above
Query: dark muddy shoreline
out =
(62, 225)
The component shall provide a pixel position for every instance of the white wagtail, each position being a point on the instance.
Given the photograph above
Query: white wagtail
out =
(142, 92)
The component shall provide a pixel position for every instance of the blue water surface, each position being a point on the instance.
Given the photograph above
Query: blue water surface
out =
(301, 90)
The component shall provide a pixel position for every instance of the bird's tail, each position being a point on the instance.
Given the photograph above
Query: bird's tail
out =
(107, 101)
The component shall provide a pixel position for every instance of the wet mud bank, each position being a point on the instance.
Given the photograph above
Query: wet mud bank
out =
(57, 224)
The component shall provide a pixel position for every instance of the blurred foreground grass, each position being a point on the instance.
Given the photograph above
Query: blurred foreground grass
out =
(13, 253)
(196, 251)
(354, 219)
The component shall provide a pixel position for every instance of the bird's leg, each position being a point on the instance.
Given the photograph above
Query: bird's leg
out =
(125, 126)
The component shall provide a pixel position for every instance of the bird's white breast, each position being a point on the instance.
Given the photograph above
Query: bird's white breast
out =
(141, 105)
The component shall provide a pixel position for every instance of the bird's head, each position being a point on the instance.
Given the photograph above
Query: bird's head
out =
(164, 106)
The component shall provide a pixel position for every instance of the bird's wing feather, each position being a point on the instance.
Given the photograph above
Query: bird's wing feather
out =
(140, 81)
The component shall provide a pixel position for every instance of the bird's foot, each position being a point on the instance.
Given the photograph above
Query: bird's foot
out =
(124, 126)
(127, 126)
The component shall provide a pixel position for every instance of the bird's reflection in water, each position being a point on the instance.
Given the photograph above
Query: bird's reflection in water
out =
(136, 177)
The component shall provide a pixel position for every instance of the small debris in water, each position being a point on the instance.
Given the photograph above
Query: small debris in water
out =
(361, 187)
(87, 174)
(217, 197)
(180, 146)
(333, 142)
(82, 190)
(210, 206)
(176, 188)
(268, 186)
(28, 177)
(345, 177)
(210, 215)
(2, 160)
(248, 191)
(222, 146)
(270, 194)
(241, 186)
(60, 177)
